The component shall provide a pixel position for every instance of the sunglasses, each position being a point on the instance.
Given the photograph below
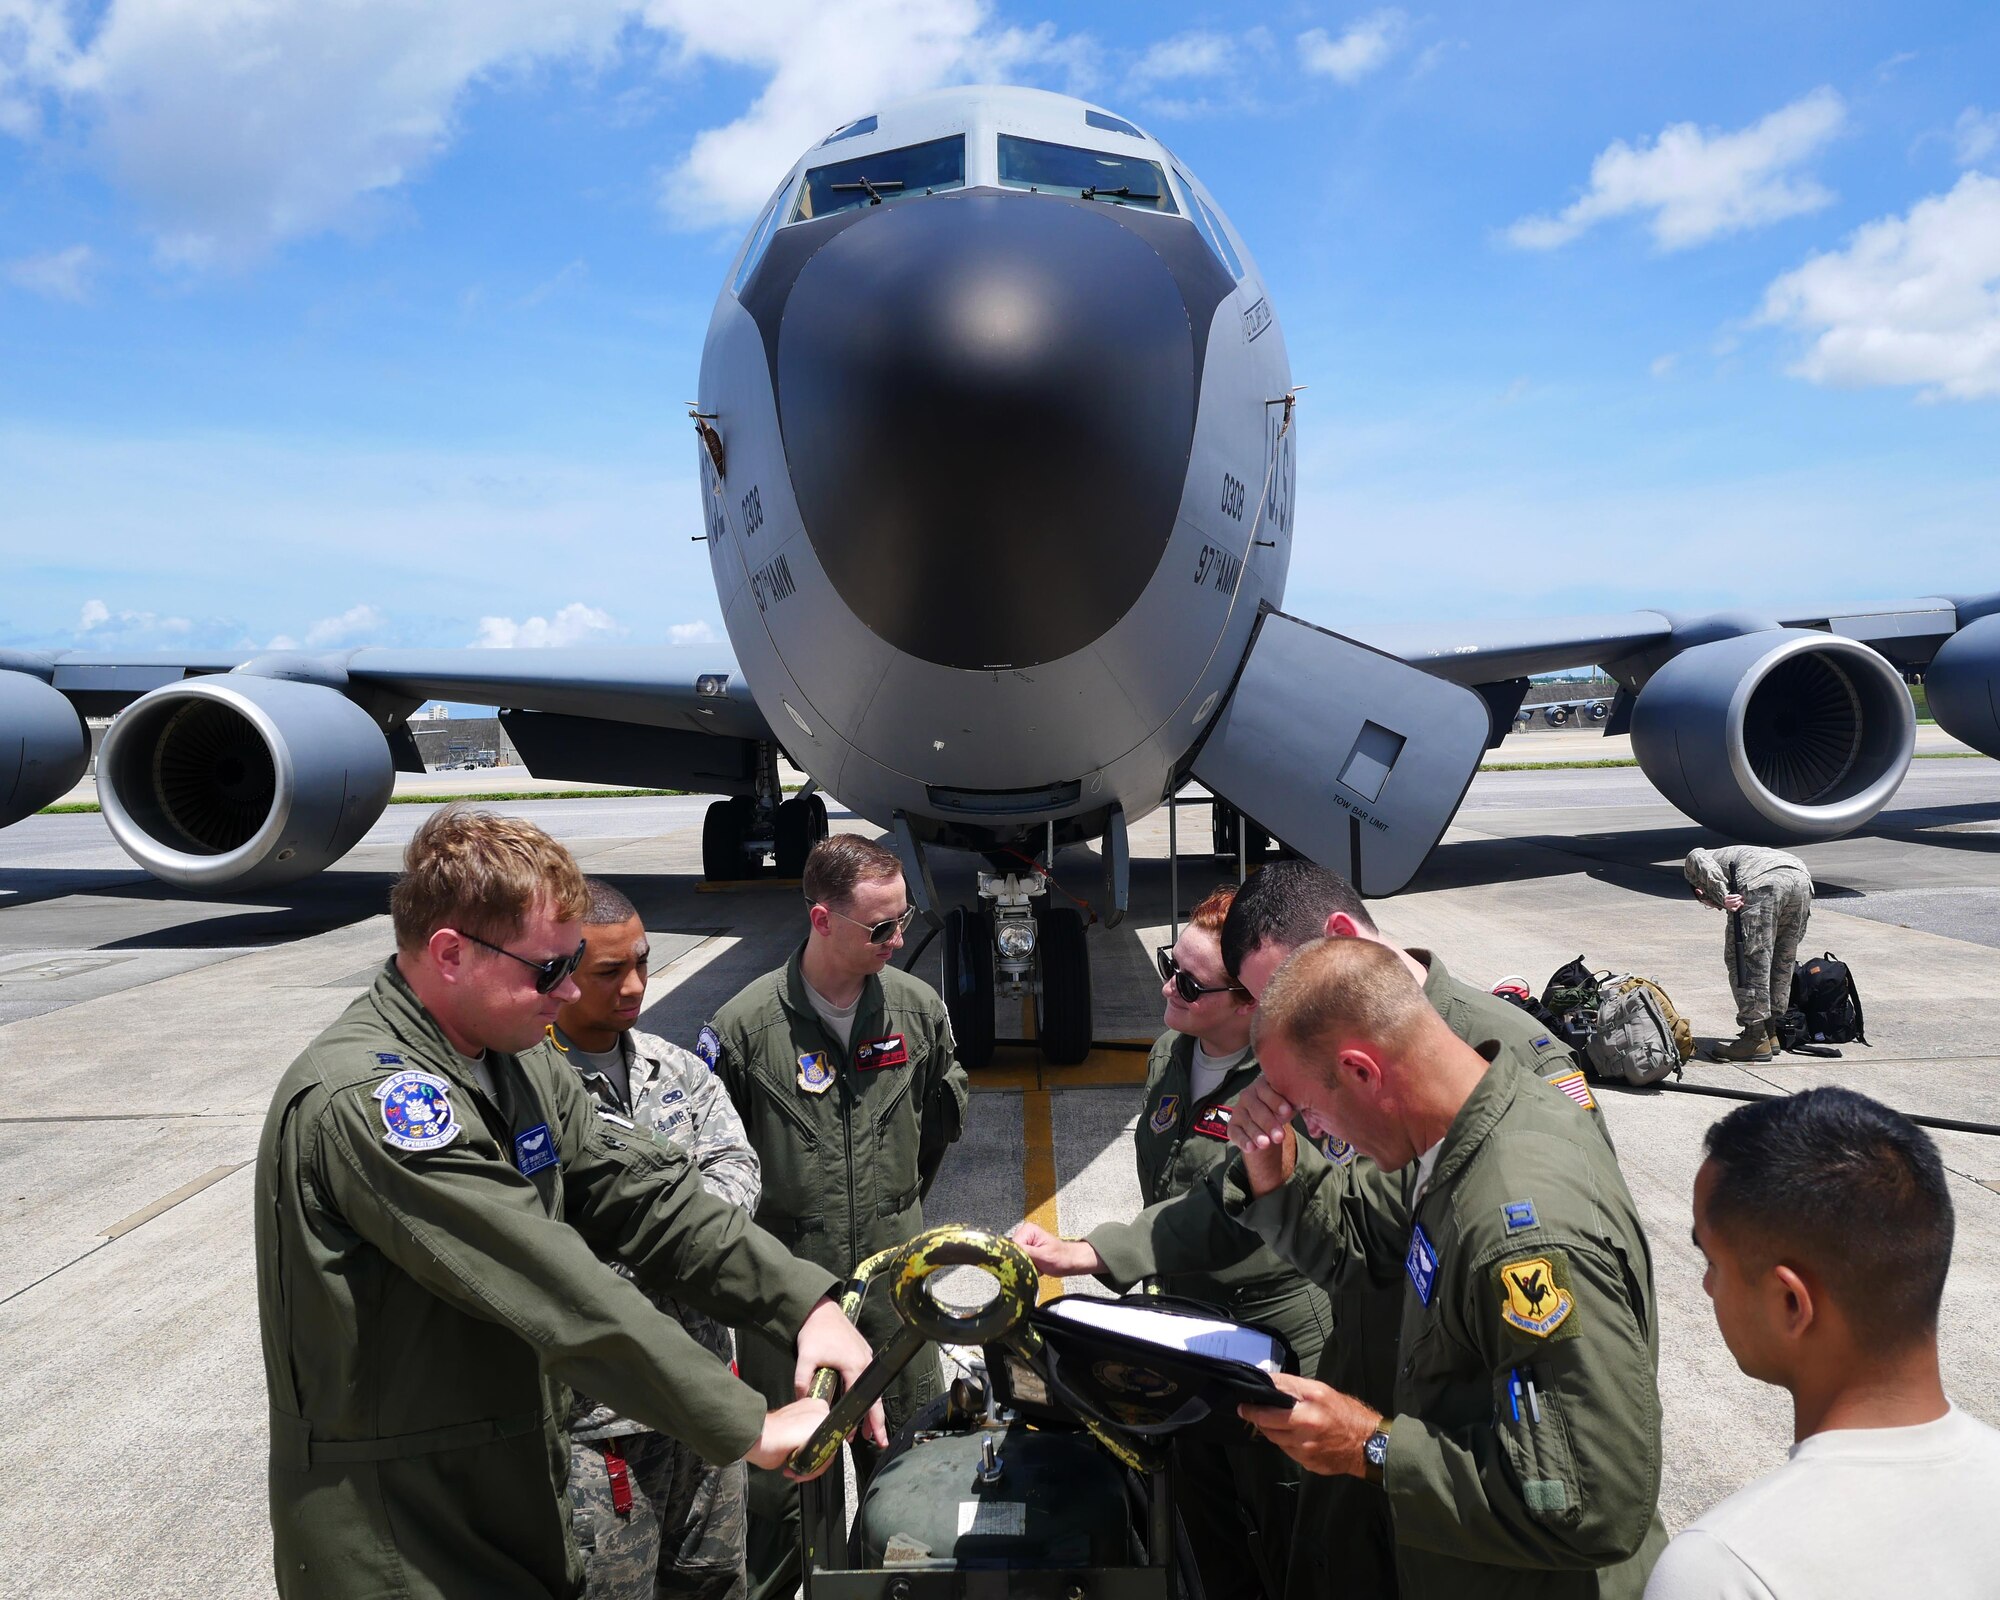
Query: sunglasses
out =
(1184, 981)
(548, 974)
(878, 932)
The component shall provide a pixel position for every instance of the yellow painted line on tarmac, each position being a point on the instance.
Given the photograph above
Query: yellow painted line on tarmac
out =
(1038, 1171)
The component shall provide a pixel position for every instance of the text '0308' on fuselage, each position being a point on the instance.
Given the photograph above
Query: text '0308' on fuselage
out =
(1001, 464)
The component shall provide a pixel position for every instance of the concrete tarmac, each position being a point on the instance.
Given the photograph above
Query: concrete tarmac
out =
(140, 1035)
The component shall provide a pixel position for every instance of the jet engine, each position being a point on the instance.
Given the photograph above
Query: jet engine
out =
(1781, 736)
(232, 782)
(1962, 684)
(44, 747)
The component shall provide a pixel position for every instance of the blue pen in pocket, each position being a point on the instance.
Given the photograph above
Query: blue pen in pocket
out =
(1514, 1391)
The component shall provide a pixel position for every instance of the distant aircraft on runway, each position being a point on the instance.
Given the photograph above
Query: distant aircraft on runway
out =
(996, 443)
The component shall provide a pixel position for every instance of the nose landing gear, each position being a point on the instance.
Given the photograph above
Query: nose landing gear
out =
(1013, 946)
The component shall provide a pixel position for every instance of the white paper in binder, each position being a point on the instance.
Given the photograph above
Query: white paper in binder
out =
(1203, 1336)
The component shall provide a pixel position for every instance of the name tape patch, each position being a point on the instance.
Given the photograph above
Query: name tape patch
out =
(1422, 1264)
(887, 1051)
(534, 1149)
(1213, 1123)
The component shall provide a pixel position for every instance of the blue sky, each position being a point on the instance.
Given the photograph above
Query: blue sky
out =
(371, 322)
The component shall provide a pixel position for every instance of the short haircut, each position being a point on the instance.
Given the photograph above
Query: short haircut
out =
(483, 874)
(835, 865)
(1342, 991)
(1212, 909)
(608, 906)
(1287, 904)
(1834, 1183)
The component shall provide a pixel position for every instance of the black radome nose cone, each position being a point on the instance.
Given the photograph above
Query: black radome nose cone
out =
(988, 403)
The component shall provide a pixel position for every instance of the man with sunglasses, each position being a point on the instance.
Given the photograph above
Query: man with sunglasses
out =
(431, 1184)
(844, 1070)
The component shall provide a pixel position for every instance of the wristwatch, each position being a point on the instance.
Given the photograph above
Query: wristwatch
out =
(1375, 1451)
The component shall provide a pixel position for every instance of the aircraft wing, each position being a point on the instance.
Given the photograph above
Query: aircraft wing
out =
(238, 771)
(1909, 632)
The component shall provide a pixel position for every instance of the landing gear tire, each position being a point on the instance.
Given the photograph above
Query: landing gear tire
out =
(968, 983)
(1225, 820)
(1062, 1008)
(801, 824)
(724, 828)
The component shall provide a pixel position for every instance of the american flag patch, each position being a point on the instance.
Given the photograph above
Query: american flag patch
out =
(1576, 1087)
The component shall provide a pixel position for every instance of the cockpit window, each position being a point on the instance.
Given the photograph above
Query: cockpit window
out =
(1209, 224)
(882, 178)
(760, 236)
(851, 130)
(1091, 174)
(1110, 124)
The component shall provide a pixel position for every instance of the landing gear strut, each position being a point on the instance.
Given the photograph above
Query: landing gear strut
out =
(1012, 946)
(763, 834)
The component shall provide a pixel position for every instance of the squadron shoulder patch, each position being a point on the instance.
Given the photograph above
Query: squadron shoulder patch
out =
(708, 1045)
(1533, 1297)
(1165, 1113)
(815, 1072)
(416, 1111)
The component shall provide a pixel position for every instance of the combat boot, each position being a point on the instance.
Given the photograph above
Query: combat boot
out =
(1752, 1044)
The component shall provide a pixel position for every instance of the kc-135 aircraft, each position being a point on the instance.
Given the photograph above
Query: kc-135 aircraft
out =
(996, 440)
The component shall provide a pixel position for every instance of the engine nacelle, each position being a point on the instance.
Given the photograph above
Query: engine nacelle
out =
(232, 782)
(1962, 684)
(1784, 736)
(44, 746)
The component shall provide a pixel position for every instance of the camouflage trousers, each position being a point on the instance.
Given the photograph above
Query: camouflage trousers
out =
(681, 1539)
(1762, 946)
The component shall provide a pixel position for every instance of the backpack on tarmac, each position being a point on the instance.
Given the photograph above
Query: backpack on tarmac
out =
(1640, 1037)
(1569, 1003)
(1823, 992)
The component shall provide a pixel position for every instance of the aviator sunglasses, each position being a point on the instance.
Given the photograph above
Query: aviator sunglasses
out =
(548, 974)
(1184, 981)
(878, 932)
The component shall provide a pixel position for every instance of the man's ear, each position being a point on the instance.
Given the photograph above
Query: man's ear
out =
(1339, 925)
(1794, 1308)
(1358, 1065)
(447, 950)
(820, 918)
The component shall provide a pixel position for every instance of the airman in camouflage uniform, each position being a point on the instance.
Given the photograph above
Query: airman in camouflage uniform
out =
(651, 1518)
(1768, 895)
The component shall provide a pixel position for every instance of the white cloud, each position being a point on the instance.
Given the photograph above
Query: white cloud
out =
(692, 633)
(238, 124)
(1663, 366)
(1911, 300)
(101, 628)
(1365, 46)
(35, 52)
(353, 624)
(826, 61)
(1197, 54)
(576, 623)
(58, 275)
(1975, 135)
(1700, 183)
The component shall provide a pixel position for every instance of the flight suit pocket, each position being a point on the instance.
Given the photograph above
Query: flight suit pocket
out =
(894, 1205)
(1528, 1415)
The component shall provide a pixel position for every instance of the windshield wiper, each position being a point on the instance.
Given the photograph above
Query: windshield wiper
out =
(874, 189)
(1123, 192)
